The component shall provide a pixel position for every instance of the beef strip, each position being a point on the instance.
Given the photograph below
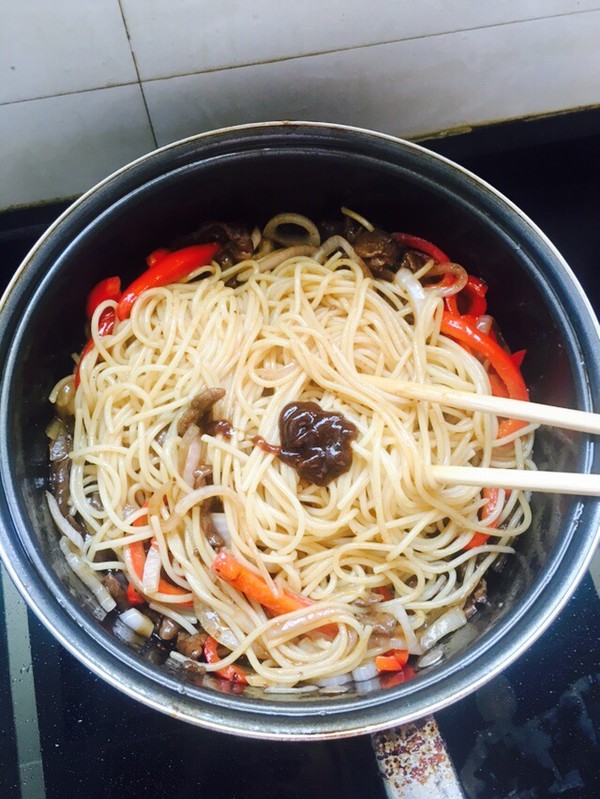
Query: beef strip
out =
(235, 238)
(60, 468)
(116, 585)
(168, 629)
(380, 251)
(199, 409)
(192, 646)
(208, 526)
(479, 597)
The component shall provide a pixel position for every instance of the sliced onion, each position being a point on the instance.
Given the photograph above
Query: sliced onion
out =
(302, 622)
(220, 523)
(334, 243)
(87, 577)
(449, 268)
(397, 609)
(450, 621)
(138, 622)
(273, 259)
(192, 460)
(334, 681)
(63, 525)
(256, 237)
(406, 280)
(310, 234)
(152, 567)
(484, 323)
(211, 622)
(429, 658)
(288, 689)
(365, 672)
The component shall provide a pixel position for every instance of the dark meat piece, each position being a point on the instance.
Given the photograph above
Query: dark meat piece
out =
(199, 410)
(478, 597)
(235, 238)
(168, 629)
(192, 646)
(208, 526)
(315, 442)
(413, 261)
(116, 585)
(383, 623)
(60, 468)
(347, 227)
(380, 251)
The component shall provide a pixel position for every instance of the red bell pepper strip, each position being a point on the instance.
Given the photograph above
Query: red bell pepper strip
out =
(108, 289)
(229, 569)
(137, 553)
(232, 673)
(472, 297)
(416, 243)
(133, 597)
(169, 269)
(156, 256)
(518, 357)
(394, 660)
(464, 331)
(386, 592)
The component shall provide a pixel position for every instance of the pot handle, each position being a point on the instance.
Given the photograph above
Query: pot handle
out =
(414, 762)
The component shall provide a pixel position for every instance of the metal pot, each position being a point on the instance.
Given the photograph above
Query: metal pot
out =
(251, 172)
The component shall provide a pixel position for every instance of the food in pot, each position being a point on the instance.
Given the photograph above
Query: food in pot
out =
(238, 474)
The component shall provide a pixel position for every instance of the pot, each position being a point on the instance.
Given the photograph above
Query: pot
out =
(250, 173)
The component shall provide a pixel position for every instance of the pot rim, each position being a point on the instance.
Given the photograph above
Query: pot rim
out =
(331, 718)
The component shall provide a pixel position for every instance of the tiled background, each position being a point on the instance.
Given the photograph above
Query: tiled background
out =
(88, 85)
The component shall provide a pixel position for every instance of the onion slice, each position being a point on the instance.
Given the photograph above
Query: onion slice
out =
(447, 623)
(63, 525)
(87, 577)
(138, 622)
(397, 609)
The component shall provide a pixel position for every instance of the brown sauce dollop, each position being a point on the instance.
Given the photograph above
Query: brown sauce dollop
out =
(315, 442)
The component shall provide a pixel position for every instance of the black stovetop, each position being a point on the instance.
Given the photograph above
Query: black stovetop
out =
(533, 732)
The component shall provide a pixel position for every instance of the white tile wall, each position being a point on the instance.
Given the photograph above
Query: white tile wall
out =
(60, 146)
(49, 48)
(215, 35)
(177, 67)
(405, 88)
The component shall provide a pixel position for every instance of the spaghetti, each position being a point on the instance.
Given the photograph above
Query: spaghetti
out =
(276, 580)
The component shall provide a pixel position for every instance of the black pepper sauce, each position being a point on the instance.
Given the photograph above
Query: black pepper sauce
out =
(315, 442)
(219, 427)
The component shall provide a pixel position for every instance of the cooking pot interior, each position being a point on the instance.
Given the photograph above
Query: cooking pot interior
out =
(151, 206)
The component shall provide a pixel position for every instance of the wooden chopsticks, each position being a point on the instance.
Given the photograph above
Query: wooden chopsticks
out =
(533, 412)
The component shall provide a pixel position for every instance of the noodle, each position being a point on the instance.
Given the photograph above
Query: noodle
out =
(300, 331)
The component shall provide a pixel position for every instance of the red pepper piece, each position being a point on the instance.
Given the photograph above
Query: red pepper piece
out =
(108, 289)
(156, 256)
(106, 325)
(471, 299)
(231, 673)
(464, 331)
(518, 357)
(173, 267)
(133, 597)
(416, 243)
(394, 660)
(386, 592)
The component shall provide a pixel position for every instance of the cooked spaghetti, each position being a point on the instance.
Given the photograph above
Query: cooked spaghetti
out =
(264, 575)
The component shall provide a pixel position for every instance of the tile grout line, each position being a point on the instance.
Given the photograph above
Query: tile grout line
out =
(137, 72)
(313, 54)
(22, 688)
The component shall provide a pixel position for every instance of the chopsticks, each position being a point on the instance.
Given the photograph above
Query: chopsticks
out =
(551, 415)
(537, 413)
(519, 479)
